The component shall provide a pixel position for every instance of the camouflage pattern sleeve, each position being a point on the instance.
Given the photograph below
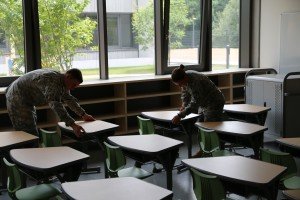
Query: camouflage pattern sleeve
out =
(62, 113)
(185, 97)
(72, 102)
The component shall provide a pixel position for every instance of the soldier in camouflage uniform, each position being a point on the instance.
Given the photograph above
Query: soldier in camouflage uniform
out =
(199, 94)
(40, 87)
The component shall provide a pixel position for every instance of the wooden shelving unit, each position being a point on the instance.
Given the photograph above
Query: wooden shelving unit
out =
(120, 100)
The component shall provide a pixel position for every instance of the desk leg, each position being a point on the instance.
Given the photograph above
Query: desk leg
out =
(3, 174)
(188, 130)
(256, 142)
(271, 191)
(168, 159)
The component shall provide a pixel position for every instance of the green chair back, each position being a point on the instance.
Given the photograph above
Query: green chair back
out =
(50, 138)
(115, 159)
(145, 126)
(14, 182)
(280, 158)
(207, 187)
(36, 192)
(208, 140)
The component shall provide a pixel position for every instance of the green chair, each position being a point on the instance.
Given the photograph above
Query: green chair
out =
(209, 143)
(145, 126)
(50, 138)
(37, 192)
(207, 186)
(288, 180)
(116, 161)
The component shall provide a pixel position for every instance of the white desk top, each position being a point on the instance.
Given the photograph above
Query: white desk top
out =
(91, 127)
(291, 142)
(232, 127)
(245, 108)
(237, 168)
(127, 188)
(42, 159)
(145, 143)
(166, 116)
(11, 138)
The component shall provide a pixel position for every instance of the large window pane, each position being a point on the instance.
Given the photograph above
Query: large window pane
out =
(130, 35)
(68, 32)
(184, 33)
(11, 38)
(225, 34)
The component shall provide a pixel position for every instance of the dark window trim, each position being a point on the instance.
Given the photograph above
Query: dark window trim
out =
(102, 34)
(205, 42)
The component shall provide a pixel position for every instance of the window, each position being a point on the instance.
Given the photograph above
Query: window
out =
(11, 39)
(74, 34)
(184, 32)
(130, 36)
(67, 34)
(225, 34)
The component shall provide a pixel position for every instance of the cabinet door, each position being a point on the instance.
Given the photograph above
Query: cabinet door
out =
(273, 98)
(254, 92)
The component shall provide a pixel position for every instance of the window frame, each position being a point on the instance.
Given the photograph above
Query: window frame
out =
(161, 18)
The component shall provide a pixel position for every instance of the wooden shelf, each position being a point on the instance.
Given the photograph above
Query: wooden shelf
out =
(149, 95)
(120, 100)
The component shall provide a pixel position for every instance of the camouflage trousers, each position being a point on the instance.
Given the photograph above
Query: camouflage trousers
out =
(22, 116)
(212, 113)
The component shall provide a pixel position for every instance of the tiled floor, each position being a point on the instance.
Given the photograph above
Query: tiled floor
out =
(182, 183)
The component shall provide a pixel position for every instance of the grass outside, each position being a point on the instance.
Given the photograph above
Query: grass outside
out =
(131, 70)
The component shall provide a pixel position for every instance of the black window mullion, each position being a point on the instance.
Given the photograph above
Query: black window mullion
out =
(102, 34)
(32, 47)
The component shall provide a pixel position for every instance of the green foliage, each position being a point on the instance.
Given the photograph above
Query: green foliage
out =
(217, 8)
(143, 24)
(62, 30)
(11, 23)
(226, 27)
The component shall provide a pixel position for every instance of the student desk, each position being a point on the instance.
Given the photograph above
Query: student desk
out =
(290, 142)
(248, 112)
(13, 140)
(126, 188)
(42, 163)
(292, 194)
(250, 135)
(240, 171)
(95, 130)
(144, 148)
(164, 119)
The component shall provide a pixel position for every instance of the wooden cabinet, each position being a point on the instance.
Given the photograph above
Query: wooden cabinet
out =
(120, 100)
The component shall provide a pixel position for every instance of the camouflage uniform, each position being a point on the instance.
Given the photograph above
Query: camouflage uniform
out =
(202, 96)
(36, 88)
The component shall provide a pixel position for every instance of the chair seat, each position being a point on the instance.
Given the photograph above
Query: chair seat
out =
(134, 172)
(223, 153)
(37, 192)
(292, 183)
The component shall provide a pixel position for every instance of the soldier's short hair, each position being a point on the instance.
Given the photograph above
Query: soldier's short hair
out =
(75, 74)
(178, 74)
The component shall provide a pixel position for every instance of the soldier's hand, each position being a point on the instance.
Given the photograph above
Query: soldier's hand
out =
(78, 130)
(176, 119)
(88, 118)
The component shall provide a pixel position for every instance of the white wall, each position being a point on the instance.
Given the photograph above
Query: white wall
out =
(270, 29)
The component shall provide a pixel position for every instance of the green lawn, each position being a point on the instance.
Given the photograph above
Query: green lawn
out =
(146, 69)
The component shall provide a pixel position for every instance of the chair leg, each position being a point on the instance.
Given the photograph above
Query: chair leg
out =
(155, 169)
